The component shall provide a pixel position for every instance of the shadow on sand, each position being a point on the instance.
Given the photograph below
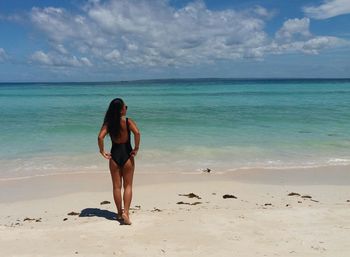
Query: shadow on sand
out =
(96, 212)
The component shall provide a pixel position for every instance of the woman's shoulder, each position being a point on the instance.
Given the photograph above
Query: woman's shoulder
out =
(130, 121)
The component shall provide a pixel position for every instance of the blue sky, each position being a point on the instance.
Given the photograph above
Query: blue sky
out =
(75, 40)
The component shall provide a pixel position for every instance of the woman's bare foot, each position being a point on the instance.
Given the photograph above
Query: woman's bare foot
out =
(126, 218)
(119, 216)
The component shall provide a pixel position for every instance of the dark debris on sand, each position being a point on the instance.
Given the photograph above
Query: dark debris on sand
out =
(292, 194)
(156, 210)
(73, 213)
(191, 195)
(136, 208)
(105, 202)
(195, 203)
(306, 196)
(32, 219)
(303, 196)
(229, 196)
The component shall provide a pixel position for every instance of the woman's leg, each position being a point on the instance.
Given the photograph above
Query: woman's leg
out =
(128, 174)
(117, 185)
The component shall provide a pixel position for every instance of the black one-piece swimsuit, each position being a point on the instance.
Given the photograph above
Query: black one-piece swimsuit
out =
(122, 152)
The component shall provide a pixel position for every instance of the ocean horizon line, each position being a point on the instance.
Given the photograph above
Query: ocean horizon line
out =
(182, 80)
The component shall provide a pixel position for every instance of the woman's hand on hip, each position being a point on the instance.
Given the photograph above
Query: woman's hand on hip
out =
(106, 155)
(134, 152)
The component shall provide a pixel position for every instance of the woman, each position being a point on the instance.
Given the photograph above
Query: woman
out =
(121, 157)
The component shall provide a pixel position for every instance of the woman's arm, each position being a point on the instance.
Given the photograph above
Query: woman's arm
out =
(100, 139)
(137, 136)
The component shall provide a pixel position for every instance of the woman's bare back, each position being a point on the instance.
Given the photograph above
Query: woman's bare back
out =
(124, 136)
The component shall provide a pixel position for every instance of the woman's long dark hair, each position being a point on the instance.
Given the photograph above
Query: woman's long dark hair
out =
(112, 117)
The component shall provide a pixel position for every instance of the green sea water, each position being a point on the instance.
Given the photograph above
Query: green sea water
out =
(186, 125)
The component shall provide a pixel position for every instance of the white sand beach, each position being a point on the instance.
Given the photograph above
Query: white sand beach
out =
(263, 220)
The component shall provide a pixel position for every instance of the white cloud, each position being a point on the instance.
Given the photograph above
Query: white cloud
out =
(85, 61)
(295, 36)
(294, 28)
(311, 46)
(56, 23)
(328, 9)
(42, 58)
(60, 48)
(152, 33)
(113, 56)
(263, 12)
(3, 55)
(53, 59)
(316, 44)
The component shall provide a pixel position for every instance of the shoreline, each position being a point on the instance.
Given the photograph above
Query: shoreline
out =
(17, 189)
(160, 170)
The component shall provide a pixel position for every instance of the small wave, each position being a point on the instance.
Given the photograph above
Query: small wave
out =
(338, 161)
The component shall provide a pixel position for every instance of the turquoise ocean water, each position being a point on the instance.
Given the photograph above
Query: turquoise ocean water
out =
(186, 125)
